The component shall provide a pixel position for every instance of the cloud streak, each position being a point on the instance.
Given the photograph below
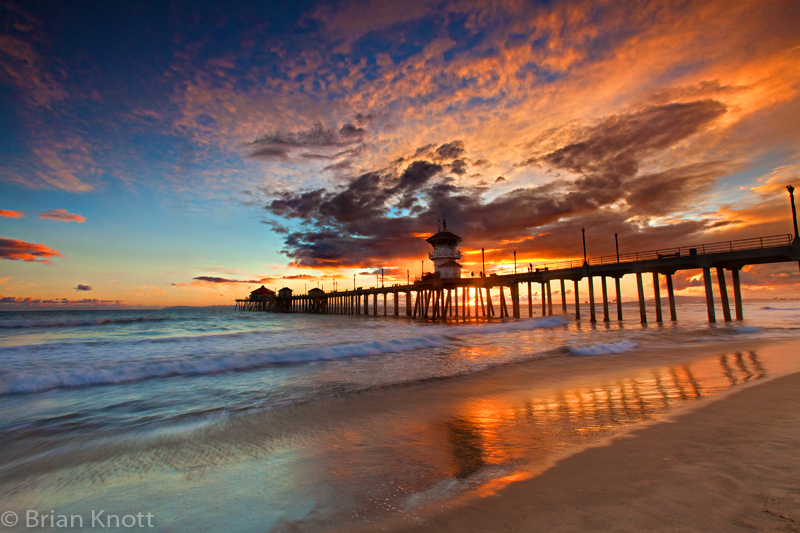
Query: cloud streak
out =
(16, 250)
(62, 215)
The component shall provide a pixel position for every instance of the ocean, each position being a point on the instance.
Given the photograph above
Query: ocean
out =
(213, 419)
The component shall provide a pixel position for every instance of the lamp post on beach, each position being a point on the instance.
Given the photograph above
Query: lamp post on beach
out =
(794, 209)
(583, 233)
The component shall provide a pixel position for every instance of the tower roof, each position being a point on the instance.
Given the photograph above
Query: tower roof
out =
(444, 237)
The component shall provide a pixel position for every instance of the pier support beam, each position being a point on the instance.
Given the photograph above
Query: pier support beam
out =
(619, 299)
(563, 297)
(544, 300)
(712, 317)
(657, 294)
(515, 299)
(605, 299)
(737, 294)
(592, 316)
(408, 303)
(549, 299)
(723, 294)
(642, 309)
(530, 301)
(577, 301)
(673, 315)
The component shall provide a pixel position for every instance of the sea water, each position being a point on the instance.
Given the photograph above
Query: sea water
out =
(296, 419)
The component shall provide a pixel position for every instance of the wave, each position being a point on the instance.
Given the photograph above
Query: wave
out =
(64, 323)
(768, 308)
(26, 382)
(604, 348)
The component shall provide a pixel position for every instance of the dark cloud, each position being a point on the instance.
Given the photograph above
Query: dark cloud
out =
(662, 193)
(318, 142)
(416, 175)
(83, 287)
(373, 217)
(451, 150)
(459, 166)
(214, 279)
(609, 154)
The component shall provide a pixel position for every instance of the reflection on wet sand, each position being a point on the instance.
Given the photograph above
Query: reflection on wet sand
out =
(494, 433)
(329, 465)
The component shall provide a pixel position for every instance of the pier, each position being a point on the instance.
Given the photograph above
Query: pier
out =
(439, 298)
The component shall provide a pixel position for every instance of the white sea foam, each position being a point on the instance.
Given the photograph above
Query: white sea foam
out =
(603, 348)
(84, 376)
(76, 322)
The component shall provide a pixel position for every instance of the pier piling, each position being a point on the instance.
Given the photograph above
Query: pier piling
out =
(723, 294)
(642, 308)
(712, 317)
(657, 294)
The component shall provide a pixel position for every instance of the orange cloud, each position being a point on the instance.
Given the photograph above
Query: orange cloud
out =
(11, 214)
(62, 215)
(25, 251)
(20, 301)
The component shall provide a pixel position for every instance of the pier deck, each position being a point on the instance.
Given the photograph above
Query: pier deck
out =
(438, 298)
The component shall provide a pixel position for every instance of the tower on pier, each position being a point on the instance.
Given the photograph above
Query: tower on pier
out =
(444, 255)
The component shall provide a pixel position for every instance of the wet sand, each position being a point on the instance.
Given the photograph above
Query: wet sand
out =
(731, 464)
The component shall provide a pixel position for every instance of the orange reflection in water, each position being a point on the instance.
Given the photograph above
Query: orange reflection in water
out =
(494, 431)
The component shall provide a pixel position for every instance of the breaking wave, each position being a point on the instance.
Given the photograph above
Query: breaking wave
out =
(190, 364)
(603, 348)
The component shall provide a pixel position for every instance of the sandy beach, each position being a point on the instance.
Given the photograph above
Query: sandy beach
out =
(729, 465)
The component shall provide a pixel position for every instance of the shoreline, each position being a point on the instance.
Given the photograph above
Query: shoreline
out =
(721, 465)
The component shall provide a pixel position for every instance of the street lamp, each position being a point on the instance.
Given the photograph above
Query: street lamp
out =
(583, 232)
(483, 262)
(515, 262)
(794, 209)
(616, 239)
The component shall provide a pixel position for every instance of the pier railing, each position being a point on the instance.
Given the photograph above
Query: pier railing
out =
(682, 251)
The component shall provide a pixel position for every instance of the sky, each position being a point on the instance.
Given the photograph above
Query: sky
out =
(186, 152)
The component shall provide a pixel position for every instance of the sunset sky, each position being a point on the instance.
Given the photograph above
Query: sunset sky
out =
(183, 152)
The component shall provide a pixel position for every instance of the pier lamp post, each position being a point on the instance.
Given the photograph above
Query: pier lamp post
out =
(583, 232)
(408, 277)
(354, 282)
(483, 262)
(515, 262)
(616, 240)
(794, 209)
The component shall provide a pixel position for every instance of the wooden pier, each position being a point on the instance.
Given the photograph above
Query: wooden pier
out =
(437, 298)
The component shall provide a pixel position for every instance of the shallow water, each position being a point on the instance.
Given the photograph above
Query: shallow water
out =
(247, 421)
